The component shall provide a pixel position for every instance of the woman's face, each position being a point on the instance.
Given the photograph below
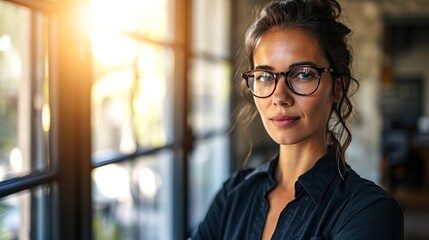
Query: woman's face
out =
(287, 117)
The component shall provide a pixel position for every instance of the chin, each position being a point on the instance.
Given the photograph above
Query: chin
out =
(286, 141)
(287, 138)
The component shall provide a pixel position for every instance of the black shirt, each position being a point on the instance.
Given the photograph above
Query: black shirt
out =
(325, 206)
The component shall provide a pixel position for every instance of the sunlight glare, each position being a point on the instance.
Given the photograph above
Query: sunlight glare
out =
(147, 16)
(46, 117)
(109, 48)
(149, 182)
(5, 43)
(153, 87)
(114, 14)
(112, 84)
(112, 181)
(15, 159)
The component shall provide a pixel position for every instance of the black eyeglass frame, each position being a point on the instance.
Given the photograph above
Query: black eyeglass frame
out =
(277, 75)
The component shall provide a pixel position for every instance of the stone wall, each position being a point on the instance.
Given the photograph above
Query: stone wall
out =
(367, 18)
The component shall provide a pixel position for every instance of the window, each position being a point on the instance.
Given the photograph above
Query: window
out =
(210, 91)
(24, 123)
(140, 99)
(114, 117)
(44, 139)
(132, 119)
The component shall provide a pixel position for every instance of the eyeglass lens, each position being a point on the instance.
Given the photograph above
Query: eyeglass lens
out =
(301, 80)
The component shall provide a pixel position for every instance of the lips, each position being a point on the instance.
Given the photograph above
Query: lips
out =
(284, 121)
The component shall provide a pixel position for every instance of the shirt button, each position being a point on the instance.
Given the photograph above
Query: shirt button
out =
(298, 187)
(307, 198)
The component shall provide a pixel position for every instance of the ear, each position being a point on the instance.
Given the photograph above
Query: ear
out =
(340, 84)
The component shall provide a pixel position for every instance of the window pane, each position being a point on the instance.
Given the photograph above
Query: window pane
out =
(130, 105)
(24, 215)
(209, 167)
(24, 107)
(111, 113)
(151, 19)
(210, 96)
(152, 101)
(132, 200)
(112, 90)
(211, 27)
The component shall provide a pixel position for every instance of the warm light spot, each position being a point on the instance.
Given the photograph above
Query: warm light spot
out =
(5, 43)
(127, 143)
(2, 173)
(149, 182)
(153, 86)
(140, 105)
(148, 17)
(112, 181)
(15, 159)
(109, 48)
(14, 63)
(112, 84)
(115, 14)
(46, 117)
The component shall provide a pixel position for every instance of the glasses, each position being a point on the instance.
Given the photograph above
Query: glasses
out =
(302, 80)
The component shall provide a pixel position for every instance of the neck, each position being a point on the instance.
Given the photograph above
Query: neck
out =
(295, 160)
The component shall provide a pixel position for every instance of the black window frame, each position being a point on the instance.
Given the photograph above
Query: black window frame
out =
(69, 201)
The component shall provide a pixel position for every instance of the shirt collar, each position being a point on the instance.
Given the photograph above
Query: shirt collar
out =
(315, 181)
(267, 168)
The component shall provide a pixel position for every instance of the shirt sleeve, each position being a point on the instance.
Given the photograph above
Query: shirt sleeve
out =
(382, 219)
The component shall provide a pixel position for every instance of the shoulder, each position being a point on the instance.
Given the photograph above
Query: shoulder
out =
(370, 209)
(238, 180)
(365, 191)
(248, 177)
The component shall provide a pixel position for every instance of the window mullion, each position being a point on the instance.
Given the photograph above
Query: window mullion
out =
(181, 110)
(71, 122)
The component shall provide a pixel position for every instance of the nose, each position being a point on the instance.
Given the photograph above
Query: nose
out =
(282, 95)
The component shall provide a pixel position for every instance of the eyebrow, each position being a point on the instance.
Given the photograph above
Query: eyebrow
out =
(264, 67)
(267, 67)
(302, 63)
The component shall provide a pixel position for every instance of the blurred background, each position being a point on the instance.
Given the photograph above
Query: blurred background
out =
(116, 115)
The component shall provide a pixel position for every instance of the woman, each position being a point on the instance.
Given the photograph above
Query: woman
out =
(300, 82)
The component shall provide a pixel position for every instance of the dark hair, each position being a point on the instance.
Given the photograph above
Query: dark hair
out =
(320, 19)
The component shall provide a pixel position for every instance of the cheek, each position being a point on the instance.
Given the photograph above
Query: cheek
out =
(323, 109)
(319, 106)
(262, 107)
(325, 98)
(259, 103)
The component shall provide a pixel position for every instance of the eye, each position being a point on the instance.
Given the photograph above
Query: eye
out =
(262, 76)
(303, 73)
